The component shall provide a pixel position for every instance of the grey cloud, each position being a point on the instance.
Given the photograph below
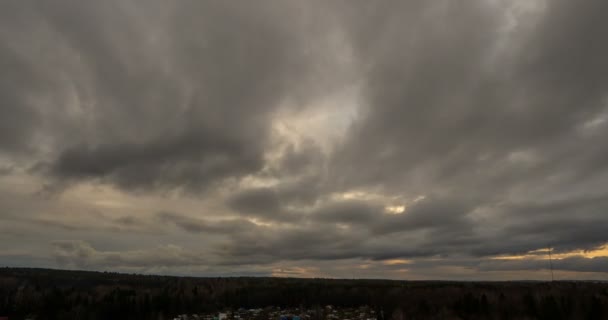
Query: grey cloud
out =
(300, 242)
(127, 220)
(195, 225)
(159, 96)
(307, 156)
(436, 108)
(428, 213)
(258, 202)
(322, 243)
(339, 231)
(18, 76)
(270, 204)
(564, 224)
(82, 254)
(276, 203)
(431, 227)
(5, 170)
(449, 114)
(354, 212)
(496, 116)
(577, 263)
(359, 229)
(182, 161)
(565, 235)
(176, 260)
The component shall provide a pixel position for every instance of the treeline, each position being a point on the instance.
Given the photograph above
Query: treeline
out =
(60, 294)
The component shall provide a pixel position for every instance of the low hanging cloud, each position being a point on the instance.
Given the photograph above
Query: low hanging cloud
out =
(575, 263)
(82, 254)
(288, 135)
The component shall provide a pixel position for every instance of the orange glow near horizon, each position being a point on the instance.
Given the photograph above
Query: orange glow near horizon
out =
(393, 262)
(543, 253)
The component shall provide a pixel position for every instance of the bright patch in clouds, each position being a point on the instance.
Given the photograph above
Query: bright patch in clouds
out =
(395, 209)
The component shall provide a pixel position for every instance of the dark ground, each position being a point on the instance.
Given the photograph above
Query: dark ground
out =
(62, 294)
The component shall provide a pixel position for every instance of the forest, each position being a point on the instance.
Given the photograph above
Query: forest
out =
(61, 294)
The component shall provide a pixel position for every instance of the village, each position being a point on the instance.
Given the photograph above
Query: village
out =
(275, 313)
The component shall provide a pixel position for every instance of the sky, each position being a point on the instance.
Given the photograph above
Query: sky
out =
(454, 140)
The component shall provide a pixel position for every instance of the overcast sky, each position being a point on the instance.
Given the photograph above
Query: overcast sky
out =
(357, 139)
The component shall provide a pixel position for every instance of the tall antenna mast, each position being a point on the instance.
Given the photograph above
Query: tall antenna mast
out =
(551, 262)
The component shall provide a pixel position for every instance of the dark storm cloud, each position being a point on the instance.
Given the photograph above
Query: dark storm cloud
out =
(459, 107)
(176, 161)
(302, 242)
(563, 234)
(428, 213)
(353, 212)
(485, 122)
(352, 229)
(357, 229)
(418, 84)
(163, 95)
(272, 203)
(576, 263)
(257, 202)
(18, 78)
(564, 224)
(445, 105)
(319, 242)
(431, 227)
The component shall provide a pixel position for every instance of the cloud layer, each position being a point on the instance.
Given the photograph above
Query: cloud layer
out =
(405, 139)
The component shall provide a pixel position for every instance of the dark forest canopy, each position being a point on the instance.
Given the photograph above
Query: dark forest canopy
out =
(63, 294)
